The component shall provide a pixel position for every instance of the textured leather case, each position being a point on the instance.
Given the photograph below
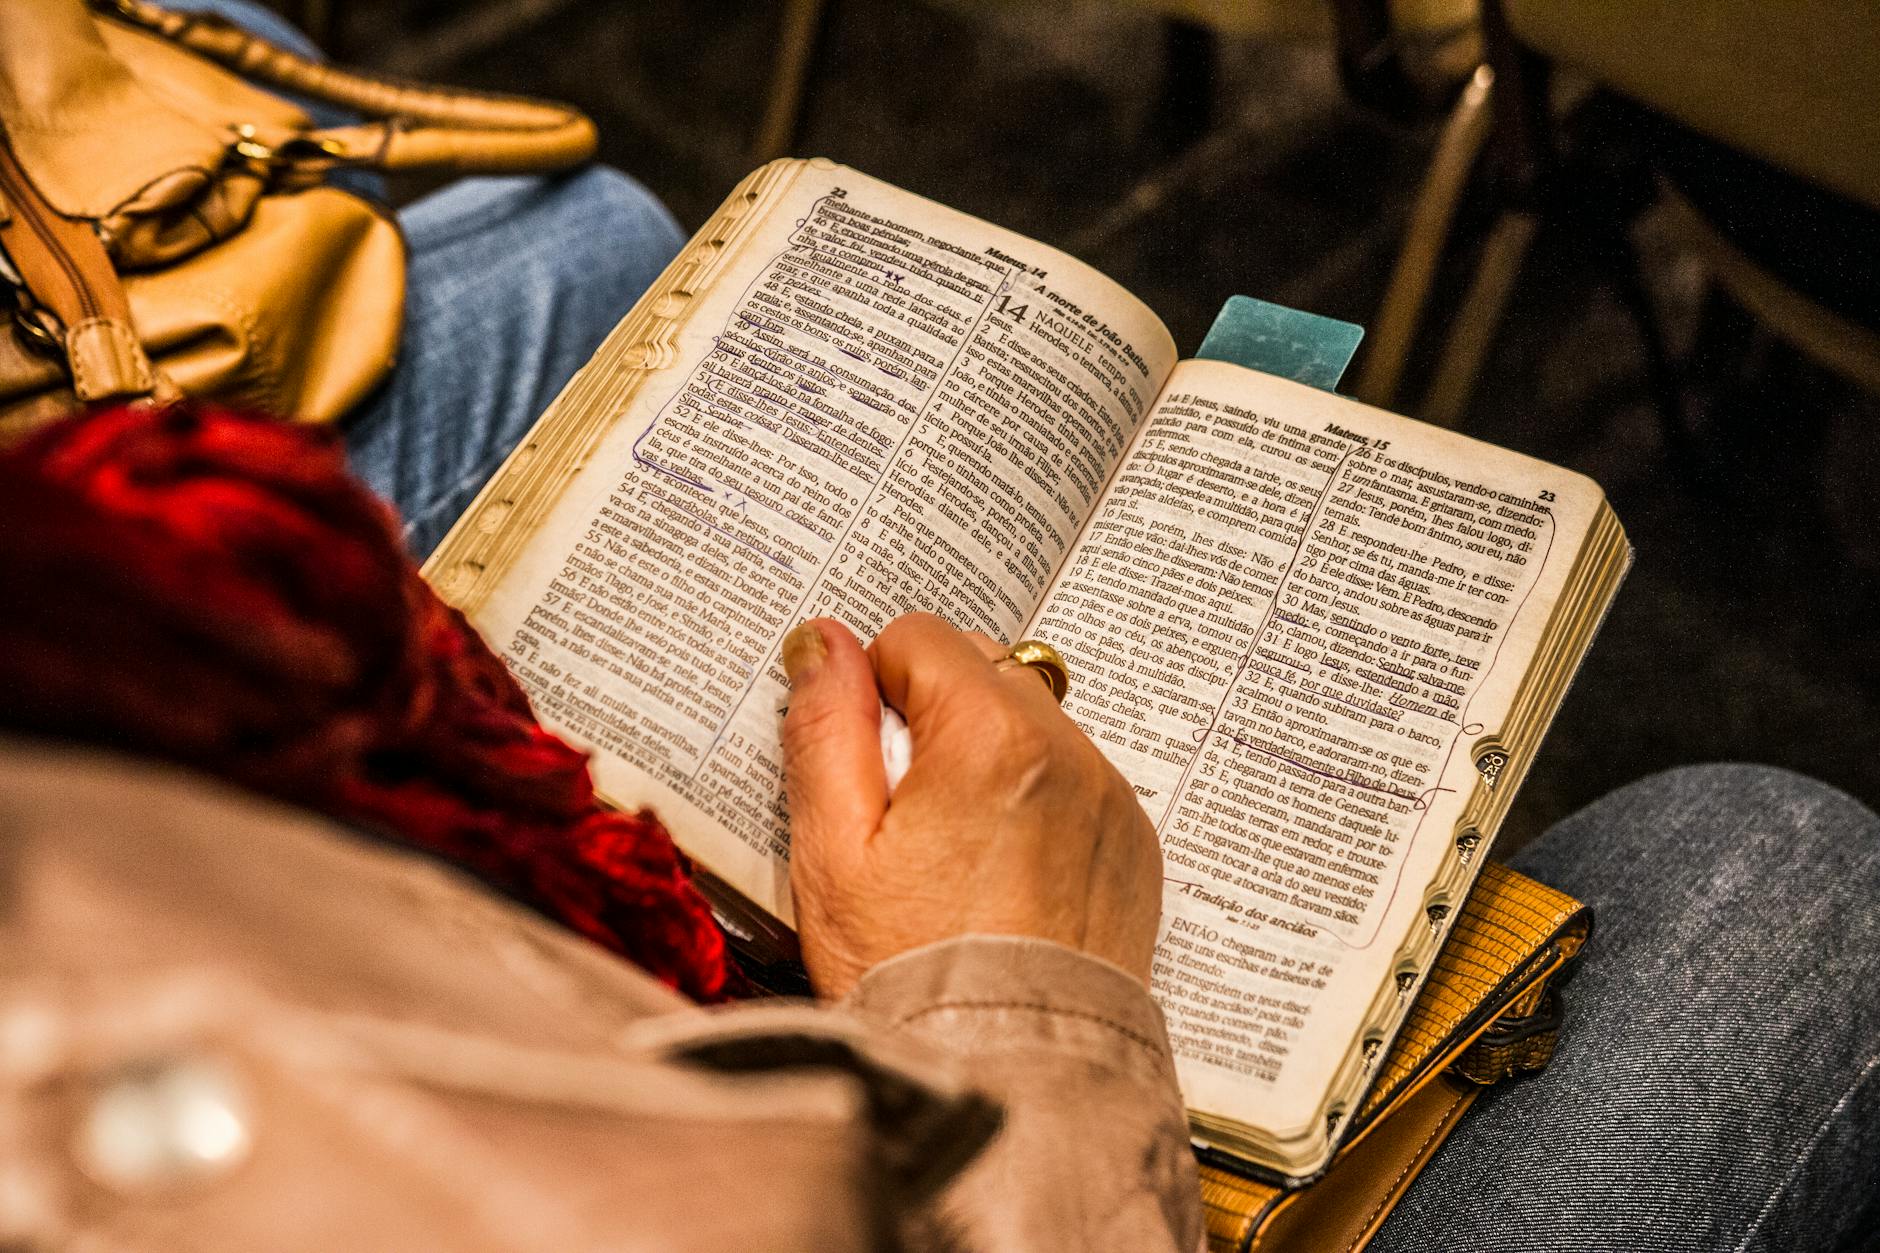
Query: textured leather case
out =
(1488, 1011)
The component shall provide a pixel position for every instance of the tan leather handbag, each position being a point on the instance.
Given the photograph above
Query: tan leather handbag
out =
(1489, 1011)
(166, 227)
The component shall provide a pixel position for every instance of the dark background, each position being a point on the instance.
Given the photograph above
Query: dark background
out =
(1744, 630)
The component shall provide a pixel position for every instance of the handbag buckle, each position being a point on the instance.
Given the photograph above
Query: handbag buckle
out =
(38, 327)
(299, 150)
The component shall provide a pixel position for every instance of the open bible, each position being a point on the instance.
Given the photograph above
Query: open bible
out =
(1321, 641)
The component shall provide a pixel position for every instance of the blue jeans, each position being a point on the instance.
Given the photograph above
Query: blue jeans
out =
(1718, 1082)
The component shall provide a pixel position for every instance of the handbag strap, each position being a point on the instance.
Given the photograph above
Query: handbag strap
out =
(417, 126)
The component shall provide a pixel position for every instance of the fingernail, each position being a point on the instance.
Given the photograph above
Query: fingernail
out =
(803, 652)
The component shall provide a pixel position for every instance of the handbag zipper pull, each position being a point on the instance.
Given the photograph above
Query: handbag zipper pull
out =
(66, 293)
(38, 328)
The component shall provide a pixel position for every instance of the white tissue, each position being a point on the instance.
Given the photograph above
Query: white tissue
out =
(897, 747)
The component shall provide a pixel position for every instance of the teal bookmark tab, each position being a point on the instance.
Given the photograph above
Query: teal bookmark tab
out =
(1273, 339)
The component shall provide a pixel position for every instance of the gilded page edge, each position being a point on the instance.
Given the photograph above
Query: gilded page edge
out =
(483, 545)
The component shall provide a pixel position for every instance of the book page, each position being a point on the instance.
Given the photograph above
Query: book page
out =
(879, 406)
(1288, 624)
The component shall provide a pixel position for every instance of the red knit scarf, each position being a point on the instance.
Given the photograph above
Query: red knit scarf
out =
(219, 591)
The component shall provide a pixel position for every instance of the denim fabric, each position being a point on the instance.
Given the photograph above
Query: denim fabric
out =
(512, 285)
(1718, 1082)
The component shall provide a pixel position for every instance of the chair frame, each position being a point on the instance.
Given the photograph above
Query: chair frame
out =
(1507, 115)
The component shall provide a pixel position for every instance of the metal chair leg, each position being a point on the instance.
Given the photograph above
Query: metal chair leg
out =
(1478, 318)
(796, 47)
(1395, 327)
(1847, 347)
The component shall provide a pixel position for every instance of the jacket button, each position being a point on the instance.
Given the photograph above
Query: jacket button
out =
(164, 1124)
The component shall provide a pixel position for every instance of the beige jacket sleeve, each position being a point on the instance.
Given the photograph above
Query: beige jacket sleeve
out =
(226, 1025)
(1094, 1152)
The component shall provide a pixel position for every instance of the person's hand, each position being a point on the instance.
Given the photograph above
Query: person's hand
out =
(1009, 822)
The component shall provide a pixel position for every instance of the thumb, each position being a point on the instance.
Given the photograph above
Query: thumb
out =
(832, 769)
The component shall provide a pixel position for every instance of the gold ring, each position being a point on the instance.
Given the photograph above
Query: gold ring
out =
(1038, 656)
